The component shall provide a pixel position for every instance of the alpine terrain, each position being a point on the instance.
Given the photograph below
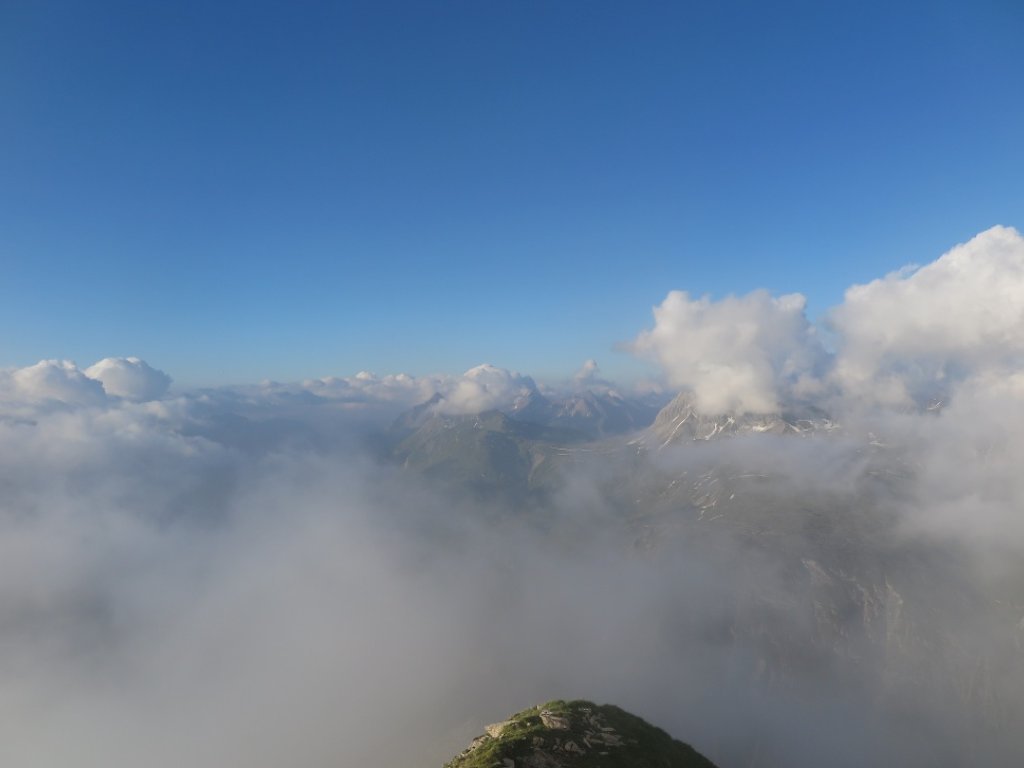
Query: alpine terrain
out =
(579, 734)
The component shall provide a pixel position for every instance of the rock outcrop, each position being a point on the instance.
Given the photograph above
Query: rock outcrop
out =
(580, 734)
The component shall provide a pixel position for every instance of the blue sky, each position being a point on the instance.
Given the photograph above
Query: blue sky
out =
(235, 191)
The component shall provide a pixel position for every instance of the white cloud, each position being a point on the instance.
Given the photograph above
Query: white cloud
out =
(50, 381)
(745, 353)
(486, 387)
(61, 383)
(157, 577)
(589, 377)
(479, 389)
(917, 332)
(130, 378)
(905, 339)
(401, 389)
(589, 371)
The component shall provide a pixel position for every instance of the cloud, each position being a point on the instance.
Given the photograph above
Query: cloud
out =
(907, 339)
(50, 382)
(481, 388)
(589, 378)
(746, 353)
(965, 460)
(486, 387)
(588, 372)
(368, 388)
(190, 580)
(916, 333)
(130, 378)
(168, 597)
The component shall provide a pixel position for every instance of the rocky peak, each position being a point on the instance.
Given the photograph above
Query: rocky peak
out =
(681, 421)
(579, 734)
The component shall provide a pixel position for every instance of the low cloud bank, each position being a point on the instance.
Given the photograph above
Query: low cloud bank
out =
(172, 593)
(168, 599)
(226, 578)
(484, 387)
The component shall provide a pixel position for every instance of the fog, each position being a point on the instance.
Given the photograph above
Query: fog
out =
(240, 577)
(170, 600)
(167, 598)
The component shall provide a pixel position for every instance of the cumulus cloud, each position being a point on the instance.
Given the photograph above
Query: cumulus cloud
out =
(130, 378)
(589, 378)
(588, 372)
(487, 387)
(58, 384)
(746, 353)
(50, 381)
(910, 338)
(916, 333)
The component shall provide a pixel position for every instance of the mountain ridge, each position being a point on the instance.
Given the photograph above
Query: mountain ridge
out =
(579, 734)
(682, 421)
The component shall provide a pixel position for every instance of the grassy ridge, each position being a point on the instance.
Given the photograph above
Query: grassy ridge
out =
(578, 734)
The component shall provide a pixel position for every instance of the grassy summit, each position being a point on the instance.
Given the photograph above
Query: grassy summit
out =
(578, 734)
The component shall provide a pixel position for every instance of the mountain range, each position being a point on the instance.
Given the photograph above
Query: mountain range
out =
(791, 494)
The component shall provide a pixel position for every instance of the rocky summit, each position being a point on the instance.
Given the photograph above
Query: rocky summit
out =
(580, 734)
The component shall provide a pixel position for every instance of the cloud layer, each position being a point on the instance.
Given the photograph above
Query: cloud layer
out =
(184, 581)
(225, 577)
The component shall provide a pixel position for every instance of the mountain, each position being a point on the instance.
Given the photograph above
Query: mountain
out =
(596, 414)
(524, 453)
(790, 518)
(680, 421)
(516, 454)
(417, 416)
(580, 734)
(486, 455)
(798, 559)
(588, 413)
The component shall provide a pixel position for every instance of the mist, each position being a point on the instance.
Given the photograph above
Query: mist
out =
(246, 575)
(174, 592)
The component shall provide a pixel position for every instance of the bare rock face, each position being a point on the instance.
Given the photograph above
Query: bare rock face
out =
(494, 730)
(680, 422)
(579, 734)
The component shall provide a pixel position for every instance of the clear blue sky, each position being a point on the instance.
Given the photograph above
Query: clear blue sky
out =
(239, 190)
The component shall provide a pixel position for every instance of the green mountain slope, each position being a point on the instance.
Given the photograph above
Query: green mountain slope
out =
(578, 734)
(487, 455)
